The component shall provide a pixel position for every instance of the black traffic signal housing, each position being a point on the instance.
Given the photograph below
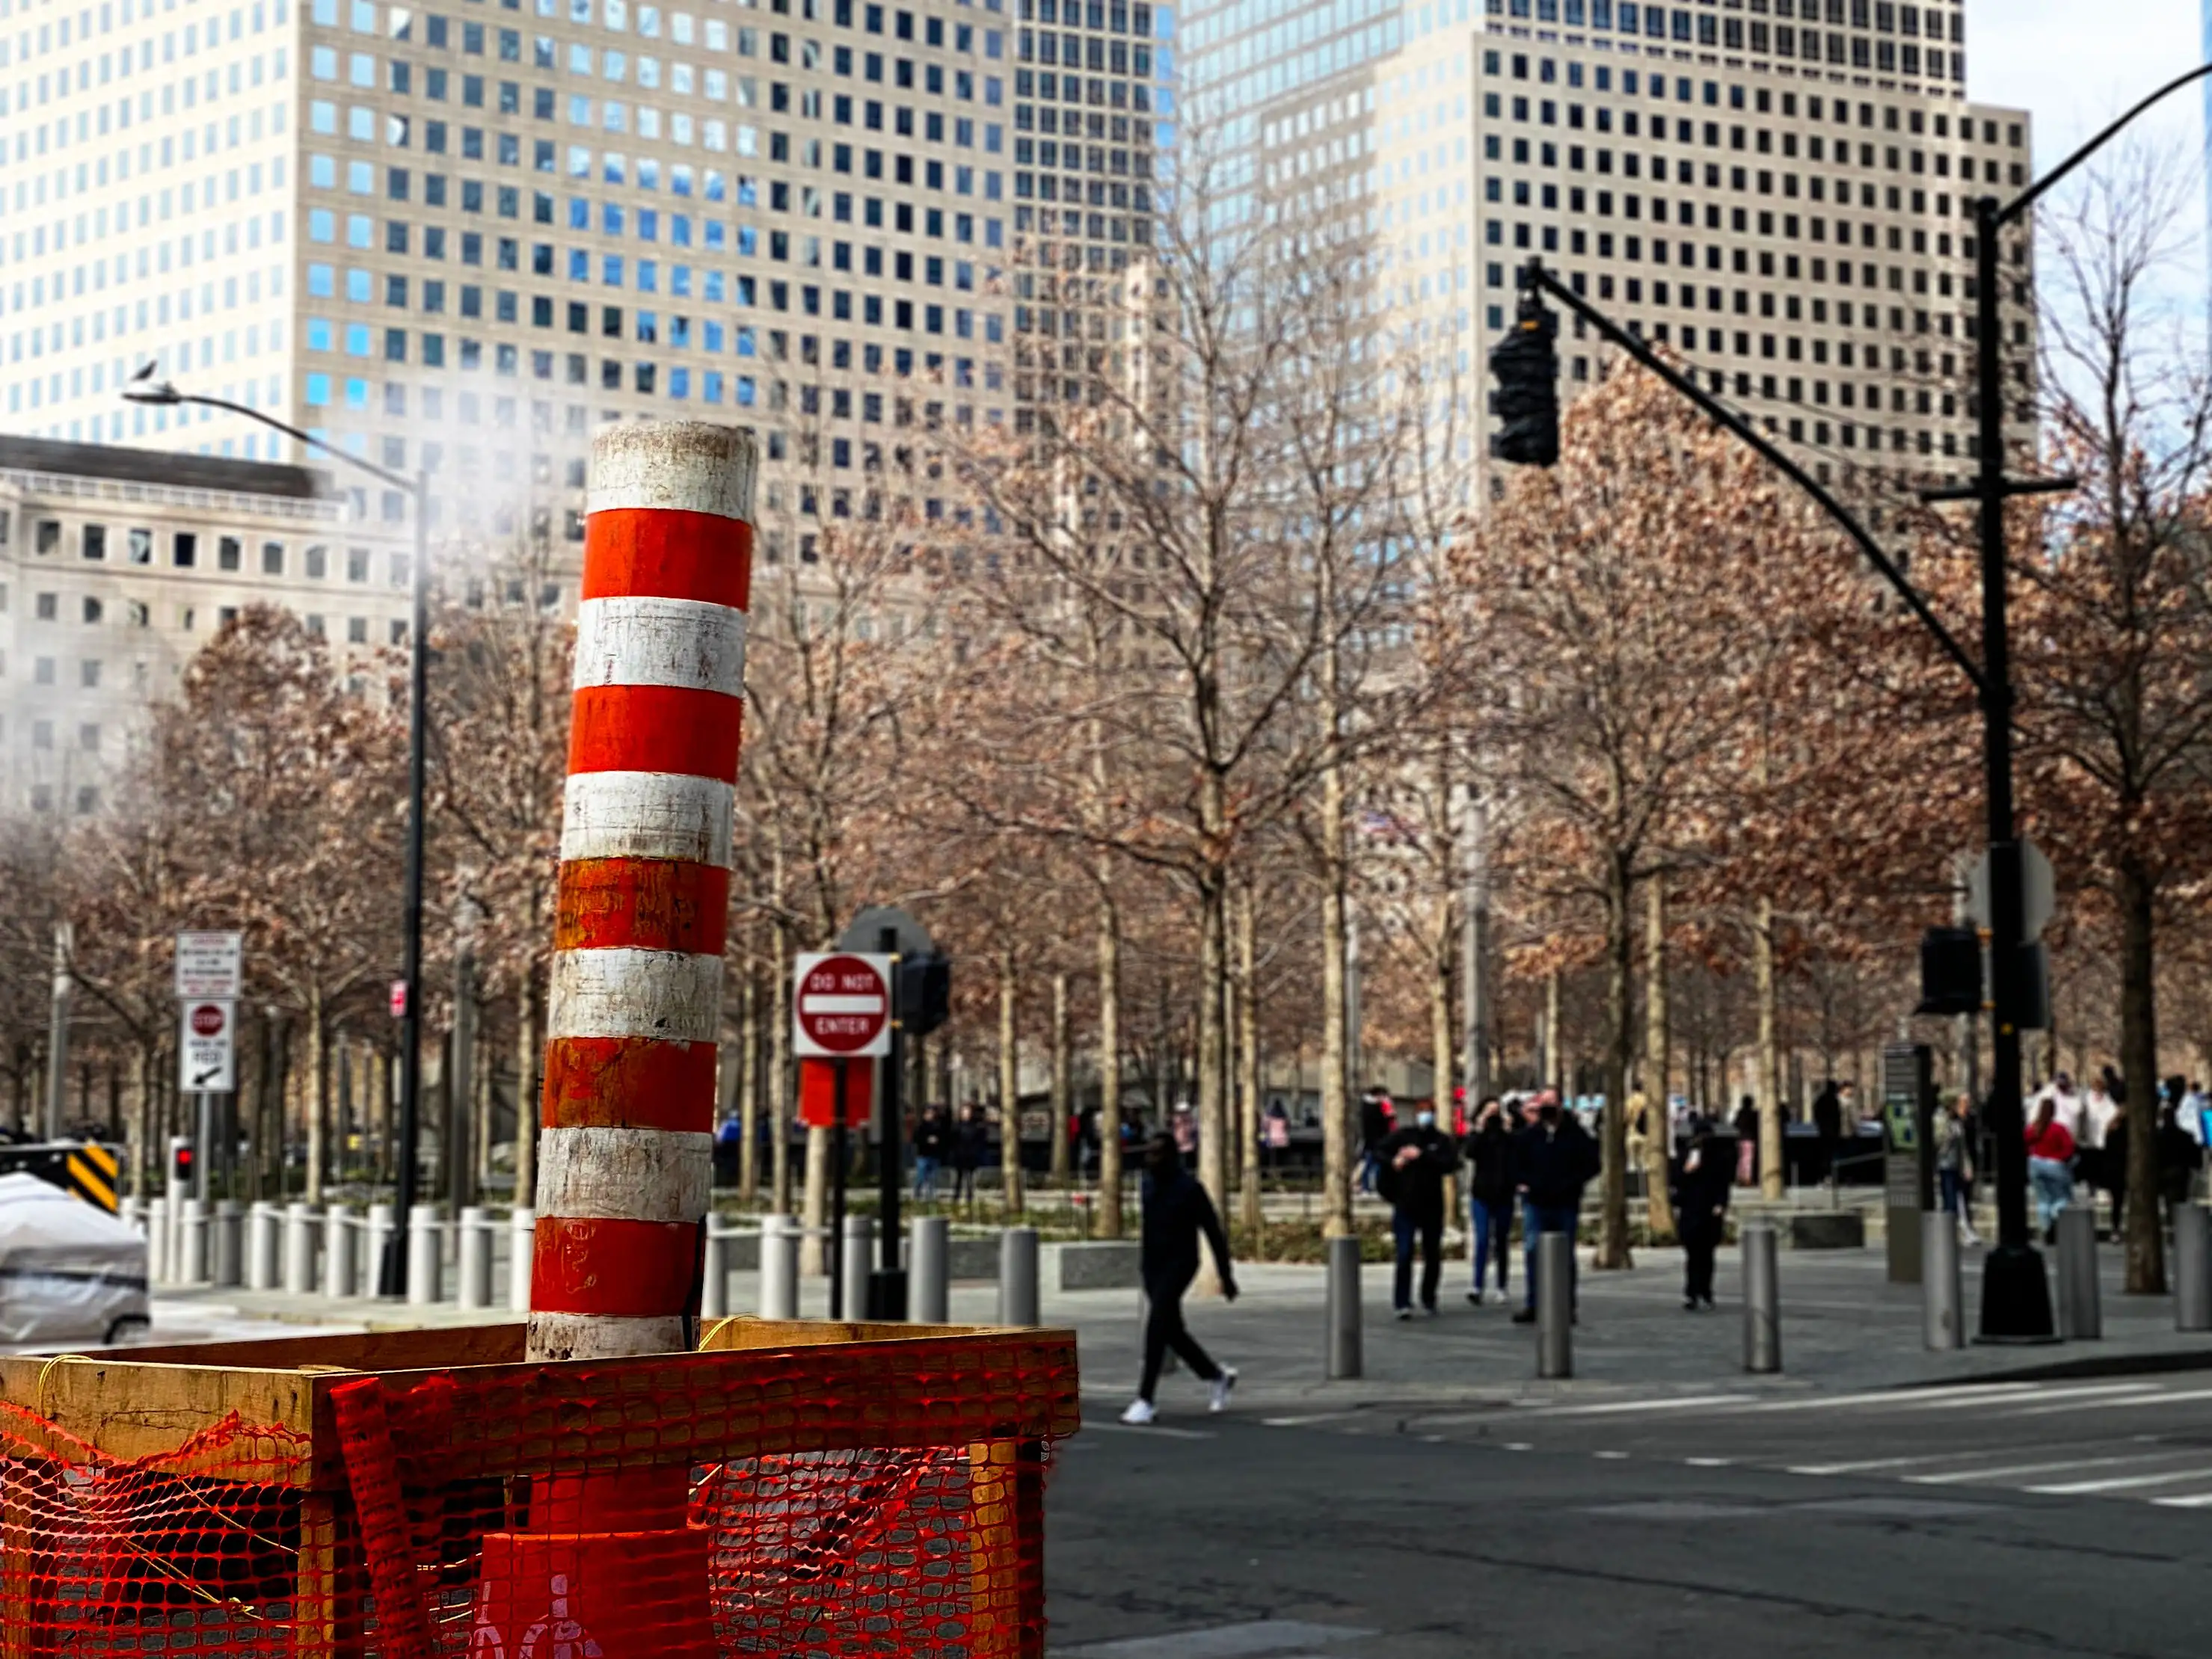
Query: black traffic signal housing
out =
(925, 994)
(1527, 365)
(1950, 972)
(180, 1160)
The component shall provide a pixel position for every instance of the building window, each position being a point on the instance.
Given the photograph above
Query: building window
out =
(229, 553)
(184, 550)
(272, 558)
(95, 541)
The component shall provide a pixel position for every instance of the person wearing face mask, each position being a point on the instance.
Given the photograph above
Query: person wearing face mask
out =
(1176, 1212)
(1415, 1161)
(1553, 1159)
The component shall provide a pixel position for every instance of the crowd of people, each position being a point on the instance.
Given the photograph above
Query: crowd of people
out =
(2078, 1147)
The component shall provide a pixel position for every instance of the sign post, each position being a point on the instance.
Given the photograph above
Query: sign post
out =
(841, 1010)
(211, 972)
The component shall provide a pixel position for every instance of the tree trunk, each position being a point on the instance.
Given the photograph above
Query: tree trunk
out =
(1621, 1045)
(779, 1072)
(529, 1107)
(1109, 1066)
(2146, 1256)
(1062, 1085)
(749, 1085)
(1335, 1044)
(1250, 1108)
(140, 1151)
(1553, 1073)
(1656, 1066)
(1441, 1034)
(1010, 1096)
(813, 1251)
(316, 1101)
(1772, 1174)
(1214, 1132)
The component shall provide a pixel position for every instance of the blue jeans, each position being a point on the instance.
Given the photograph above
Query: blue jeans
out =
(925, 1178)
(1954, 1192)
(1487, 1219)
(2052, 1183)
(1536, 1220)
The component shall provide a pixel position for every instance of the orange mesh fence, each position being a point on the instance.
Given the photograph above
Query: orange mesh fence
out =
(878, 1498)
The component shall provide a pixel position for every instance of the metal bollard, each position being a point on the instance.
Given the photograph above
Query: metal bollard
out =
(192, 1235)
(522, 1248)
(426, 1265)
(1018, 1276)
(779, 1268)
(302, 1223)
(714, 1288)
(229, 1229)
(157, 1239)
(1344, 1358)
(1555, 1305)
(341, 1253)
(262, 1220)
(375, 1239)
(474, 1247)
(1943, 1324)
(855, 1248)
(929, 1272)
(2080, 1316)
(2192, 1267)
(134, 1213)
(1762, 1308)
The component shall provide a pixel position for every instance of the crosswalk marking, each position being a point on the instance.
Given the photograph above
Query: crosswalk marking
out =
(1624, 1407)
(2154, 1397)
(2126, 1482)
(1955, 1477)
(2196, 1500)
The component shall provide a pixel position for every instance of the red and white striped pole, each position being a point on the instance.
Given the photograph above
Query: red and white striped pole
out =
(608, 1561)
(627, 1157)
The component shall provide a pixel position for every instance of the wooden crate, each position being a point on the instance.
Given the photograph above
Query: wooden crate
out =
(1013, 1388)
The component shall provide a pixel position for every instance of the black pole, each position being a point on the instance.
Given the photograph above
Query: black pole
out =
(887, 1288)
(2015, 1297)
(391, 1279)
(839, 1150)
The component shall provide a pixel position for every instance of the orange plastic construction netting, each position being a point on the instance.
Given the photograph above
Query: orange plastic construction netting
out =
(797, 1503)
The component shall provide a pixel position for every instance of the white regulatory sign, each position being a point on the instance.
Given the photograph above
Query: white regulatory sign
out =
(209, 966)
(205, 1060)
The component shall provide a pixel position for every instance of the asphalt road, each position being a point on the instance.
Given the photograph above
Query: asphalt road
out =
(2069, 1518)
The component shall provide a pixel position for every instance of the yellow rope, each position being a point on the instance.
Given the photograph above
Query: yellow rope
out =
(46, 1370)
(708, 1336)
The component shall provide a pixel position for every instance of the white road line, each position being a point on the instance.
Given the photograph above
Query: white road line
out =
(1709, 1462)
(2126, 1482)
(2196, 1500)
(1611, 1456)
(2091, 1392)
(2142, 1395)
(1623, 1407)
(1909, 1399)
(2177, 1397)
(1957, 1477)
(1868, 1464)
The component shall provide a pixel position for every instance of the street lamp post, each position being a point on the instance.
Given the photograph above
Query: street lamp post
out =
(392, 1272)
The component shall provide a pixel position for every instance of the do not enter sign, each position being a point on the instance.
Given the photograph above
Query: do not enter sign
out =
(842, 1005)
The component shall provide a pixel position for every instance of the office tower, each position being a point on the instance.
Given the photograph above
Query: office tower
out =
(1782, 194)
(457, 237)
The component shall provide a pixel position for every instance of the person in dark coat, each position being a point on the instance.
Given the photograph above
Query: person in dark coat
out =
(1747, 1142)
(1828, 1124)
(1699, 1191)
(2178, 1154)
(1415, 1161)
(1488, 1153)
(1177, 1213)
(971, 1140)
(933, 1139)
(1374, 1130)
(1553, 1159)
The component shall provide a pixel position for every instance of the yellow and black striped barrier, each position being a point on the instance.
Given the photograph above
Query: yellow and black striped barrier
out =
(93, 1173)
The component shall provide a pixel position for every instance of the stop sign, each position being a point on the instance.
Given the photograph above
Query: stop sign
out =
(209, 1018)
(841, 1005)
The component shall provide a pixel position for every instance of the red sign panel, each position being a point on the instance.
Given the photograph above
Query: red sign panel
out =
(818, 1092)
(842, 1005)
(209, 1018)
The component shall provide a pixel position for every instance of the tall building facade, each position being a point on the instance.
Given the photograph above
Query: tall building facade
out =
(1781, 191)
(457, 239)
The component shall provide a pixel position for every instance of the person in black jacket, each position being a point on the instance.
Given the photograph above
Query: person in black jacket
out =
(1553, 1159)
(1488, 1152)
(1374, 1130)
(1176, 1212)
(933, 1139)
(1699, 1191)
(1415, 1161)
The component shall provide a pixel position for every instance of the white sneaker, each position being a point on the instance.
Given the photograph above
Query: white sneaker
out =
(1140, 1413)
(1217, 1391)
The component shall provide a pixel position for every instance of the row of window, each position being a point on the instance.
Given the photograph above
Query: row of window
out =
(138, 545)
(121, 13)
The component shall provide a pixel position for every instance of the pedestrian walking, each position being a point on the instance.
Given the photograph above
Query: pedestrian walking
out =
(1176, 1212)
(1374, 1130)
(1553, 1159)
(1828, 1126)
(1700, 1190)
(1954, 1164)
(933, 1139)
(1488, 1154)
(970, 1142)
(2049, 1166)
(1747, 1142)
(1275, 1137)
(2179, 1158)
(1415, 1161)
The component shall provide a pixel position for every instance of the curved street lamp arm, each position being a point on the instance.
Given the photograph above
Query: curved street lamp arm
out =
(307, 438)
(2027, 199)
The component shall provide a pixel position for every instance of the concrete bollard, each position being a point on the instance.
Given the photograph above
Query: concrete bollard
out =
(522, 1246)
(375, 1240)
(302, 1225)
(1762, 1310)
(1943, 1324)
(779, 1268)
(262, 1240)
(1018, 1276)
(929, 1272)
(714, 1286)
(2192, 1268)
(1344, 1357)
(2081, 1312)
(192, 1235)
(134, 1213)
(157, 1239)
(855, 1249)
(341, 1253)
(229, 1242)
(474, 1248)
(1555, 1305)
(426, 1265)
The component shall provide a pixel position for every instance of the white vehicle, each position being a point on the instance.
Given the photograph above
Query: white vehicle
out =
(70, 1272)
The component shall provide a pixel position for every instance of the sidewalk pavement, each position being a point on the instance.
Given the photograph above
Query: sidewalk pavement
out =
(1844, 1328)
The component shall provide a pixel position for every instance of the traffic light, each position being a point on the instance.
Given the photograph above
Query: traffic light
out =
(1950, 972)
(1528, 399)
(925, 994)
(180, 1161)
